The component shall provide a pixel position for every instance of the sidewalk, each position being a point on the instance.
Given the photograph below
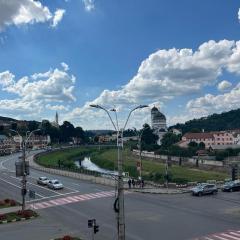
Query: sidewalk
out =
(10, 209)
(159, 190)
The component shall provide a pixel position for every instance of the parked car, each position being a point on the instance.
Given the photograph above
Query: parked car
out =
(204, 189)
(42, 181)
(55, 184)
(231, 186)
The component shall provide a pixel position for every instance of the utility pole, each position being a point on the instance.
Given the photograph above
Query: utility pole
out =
(24, 180)
(121, 217)
(23, 144)
(140, 150)
(140, 156)
(120, 184)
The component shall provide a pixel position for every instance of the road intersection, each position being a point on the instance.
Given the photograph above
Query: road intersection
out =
(66, 211)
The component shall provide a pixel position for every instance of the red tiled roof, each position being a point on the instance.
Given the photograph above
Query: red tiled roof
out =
(198, 135)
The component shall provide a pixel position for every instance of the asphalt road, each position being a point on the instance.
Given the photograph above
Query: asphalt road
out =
(148, 217)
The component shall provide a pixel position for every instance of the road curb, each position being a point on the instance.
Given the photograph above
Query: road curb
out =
(17, 220)
(166, 193)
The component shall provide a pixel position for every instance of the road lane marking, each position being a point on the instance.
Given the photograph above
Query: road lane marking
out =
(228, 235)
(17, 186)
(71, 199)
(74, 190)
(235, 234)
(45, 188)
(45, 198)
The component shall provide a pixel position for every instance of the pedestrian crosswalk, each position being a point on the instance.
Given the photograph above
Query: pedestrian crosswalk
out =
(71, 199)
(228, 235)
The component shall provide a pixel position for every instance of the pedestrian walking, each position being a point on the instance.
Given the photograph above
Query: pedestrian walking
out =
(139, 183)
(142, 183)
(133, 183)
(129, 183)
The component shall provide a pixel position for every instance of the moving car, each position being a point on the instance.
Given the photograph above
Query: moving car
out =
(42, 181)
(55, 184)
(204, 189)
(231, 186)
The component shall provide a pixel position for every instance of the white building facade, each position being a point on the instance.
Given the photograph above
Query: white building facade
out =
(159, 125)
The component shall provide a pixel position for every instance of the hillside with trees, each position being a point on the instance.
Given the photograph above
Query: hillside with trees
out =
(216, 122)
(62, 134)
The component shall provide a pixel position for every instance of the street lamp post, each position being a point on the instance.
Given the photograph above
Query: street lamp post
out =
(23, 145)
(120, 185)
(140, 151)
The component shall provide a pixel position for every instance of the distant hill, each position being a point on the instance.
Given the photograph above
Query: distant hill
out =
(6, 119)
(215, 122)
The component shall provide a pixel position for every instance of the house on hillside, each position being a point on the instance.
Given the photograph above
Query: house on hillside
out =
(236, 135)
(7, 145)
(211, 139)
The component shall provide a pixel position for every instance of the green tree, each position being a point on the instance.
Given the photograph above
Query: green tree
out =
(193, 144)
(195, 130)
(148, 136)
(33, 125)
(169, 139)
(201, 145)
(67, 131)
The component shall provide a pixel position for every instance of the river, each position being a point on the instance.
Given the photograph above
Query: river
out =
(89, 165)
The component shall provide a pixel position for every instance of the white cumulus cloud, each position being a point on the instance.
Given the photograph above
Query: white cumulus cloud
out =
(38, 92)
(58, 17)
(89, 5)
(210, 103)
(167, 74)
(223, 85)
(19, 12)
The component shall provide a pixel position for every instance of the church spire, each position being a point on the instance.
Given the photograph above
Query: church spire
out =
(56, 119)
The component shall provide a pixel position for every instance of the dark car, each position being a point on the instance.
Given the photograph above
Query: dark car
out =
(204, 189)
(231, 186)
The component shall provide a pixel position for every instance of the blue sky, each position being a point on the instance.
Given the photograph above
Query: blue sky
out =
(63, 55)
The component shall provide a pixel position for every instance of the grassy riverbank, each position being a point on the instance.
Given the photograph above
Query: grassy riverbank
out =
(107, 158)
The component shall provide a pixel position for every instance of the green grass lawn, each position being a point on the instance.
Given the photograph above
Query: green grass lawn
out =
(66, 155)
(107, 158)
(149, 168)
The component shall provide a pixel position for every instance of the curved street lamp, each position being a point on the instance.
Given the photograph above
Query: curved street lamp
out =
(23, 145)
(120, 186)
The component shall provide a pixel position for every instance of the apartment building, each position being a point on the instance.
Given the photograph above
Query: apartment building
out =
(210, 139)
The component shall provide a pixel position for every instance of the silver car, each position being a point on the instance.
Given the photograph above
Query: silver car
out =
(42, 181)
(55, 184)
(204, 189)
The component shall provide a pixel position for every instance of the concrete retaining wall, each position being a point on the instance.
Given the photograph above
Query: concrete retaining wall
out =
(176, 159)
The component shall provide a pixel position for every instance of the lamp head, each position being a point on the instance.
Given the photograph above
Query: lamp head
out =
(142, 106)
(94, 106)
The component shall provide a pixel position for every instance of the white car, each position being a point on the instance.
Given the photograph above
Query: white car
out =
(42, 181)
(55, 184)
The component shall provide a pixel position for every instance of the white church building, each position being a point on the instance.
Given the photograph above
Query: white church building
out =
(159, 125)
